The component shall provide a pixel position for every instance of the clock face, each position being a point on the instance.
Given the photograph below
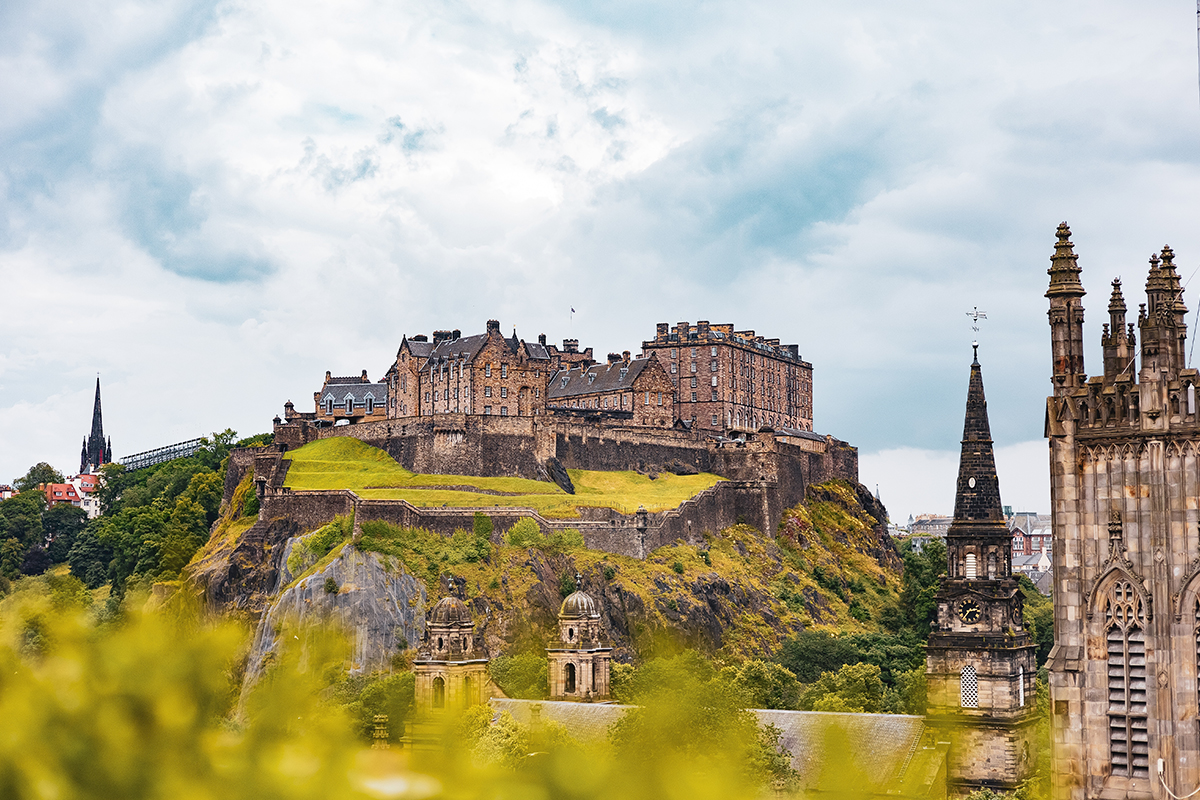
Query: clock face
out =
(969, 611)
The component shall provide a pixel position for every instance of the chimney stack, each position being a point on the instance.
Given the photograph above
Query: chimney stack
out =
(542, 339)
(613, 358)
(625, 356)
(493, 325)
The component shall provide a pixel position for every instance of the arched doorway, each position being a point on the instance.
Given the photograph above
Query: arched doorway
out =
(570, 687)
(439, 693)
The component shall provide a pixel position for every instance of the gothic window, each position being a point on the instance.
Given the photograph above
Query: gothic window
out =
(439, 692)
(971, 570)
(1124, 623)
(570, 682)
(969, 687)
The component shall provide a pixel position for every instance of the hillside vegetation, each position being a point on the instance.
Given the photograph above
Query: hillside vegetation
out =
(346, 463)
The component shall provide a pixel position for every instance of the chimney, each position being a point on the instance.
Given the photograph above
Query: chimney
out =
(455, 334)
(364, 377)
(542, 339)
(625, 356)
(682, 329)
(702, 328)
(493, 325)
(328, 375)
(420, 337)
(570, 345)
(441, 336)
(613, 358)
(661, 331)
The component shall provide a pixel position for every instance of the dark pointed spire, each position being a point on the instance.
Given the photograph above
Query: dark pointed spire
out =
(1116, 303)
(1064, 266)
(95, 447)
(977, 497)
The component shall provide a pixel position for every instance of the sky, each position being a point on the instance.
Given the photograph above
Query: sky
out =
(209, 204)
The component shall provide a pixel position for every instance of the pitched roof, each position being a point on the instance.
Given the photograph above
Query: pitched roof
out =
(595, 379)
(464, 346)
(359, 391)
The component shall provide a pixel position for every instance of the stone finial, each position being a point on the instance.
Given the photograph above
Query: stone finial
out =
(1064, 267)
(1168, 257)
(1116, 303)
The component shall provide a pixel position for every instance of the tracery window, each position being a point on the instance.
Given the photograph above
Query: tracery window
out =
(969, 687)
(1124, 623)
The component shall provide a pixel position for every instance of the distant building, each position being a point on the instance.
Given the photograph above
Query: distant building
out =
(350, 399)
(85, 486)
(636, 390)
(97, 451)
(734, 380)
(930, 525)
(6, 491)
(58, 493)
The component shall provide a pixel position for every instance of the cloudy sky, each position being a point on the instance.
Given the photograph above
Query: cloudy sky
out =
(212, 203)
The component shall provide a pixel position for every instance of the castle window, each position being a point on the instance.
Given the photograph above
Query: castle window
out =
(504, 411)
(714, 380)
(504, 391)
(714, 394)
(693, 366)
(349, 404)
(714, 351)
(427, 397)
(674, 368)
(329, 405)
(370, 404)
(456, 394)
(403, 383)
(715, 420)
(1127, 736)
(487, 370)
(487, 391)
(439, 692)
(647, 398)
(504, 370)
(971, 570)
(969, 687)
(712, 367)
(487, 410)
(660, 398)
(673, 351)
(693, 397)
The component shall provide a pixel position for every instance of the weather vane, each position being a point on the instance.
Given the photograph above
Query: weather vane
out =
(975, 316)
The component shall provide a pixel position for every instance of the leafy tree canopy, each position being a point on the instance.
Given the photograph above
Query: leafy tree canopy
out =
(38, 473)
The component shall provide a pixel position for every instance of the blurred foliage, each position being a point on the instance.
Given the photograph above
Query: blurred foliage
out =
(916, 607)
(855, 687)
(361, 698)
(1039, 618)
(21, 518)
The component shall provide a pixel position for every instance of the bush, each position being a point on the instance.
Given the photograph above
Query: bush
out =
(610, 572)
(566, 584)
(483, 527)
(525, 533)
(854, 687)
(678, 567)
(331, 586)
(525, 676)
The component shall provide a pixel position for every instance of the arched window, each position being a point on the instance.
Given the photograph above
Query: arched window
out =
(439, 693)
(329, 406)
(991, 573)
(1124, 623)
(969, 687)
(1021, 687)
(570, 682)
(971, 570)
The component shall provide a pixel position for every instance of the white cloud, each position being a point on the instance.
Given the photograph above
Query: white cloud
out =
(212, 203)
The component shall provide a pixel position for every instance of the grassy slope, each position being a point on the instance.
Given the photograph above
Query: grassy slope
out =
(825, 577)
(346, 463)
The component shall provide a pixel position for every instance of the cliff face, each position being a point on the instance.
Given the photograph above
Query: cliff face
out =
(738, 593)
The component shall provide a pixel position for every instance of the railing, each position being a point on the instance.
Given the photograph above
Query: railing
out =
(160, 455)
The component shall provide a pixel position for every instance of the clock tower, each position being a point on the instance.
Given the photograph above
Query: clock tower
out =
(980, 661)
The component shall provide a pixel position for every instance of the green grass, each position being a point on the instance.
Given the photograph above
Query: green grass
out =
(346, 463)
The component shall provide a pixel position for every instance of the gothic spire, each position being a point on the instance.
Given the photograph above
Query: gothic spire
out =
(977, 496)
(1064, 266)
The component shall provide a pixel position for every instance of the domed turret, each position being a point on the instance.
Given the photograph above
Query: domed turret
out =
(449, 611)
(579, 605)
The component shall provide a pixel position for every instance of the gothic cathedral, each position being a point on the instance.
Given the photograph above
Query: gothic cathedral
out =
(980, 661)
(1125, 483)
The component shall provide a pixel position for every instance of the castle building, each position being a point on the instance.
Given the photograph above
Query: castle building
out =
(581, 662)
(734, 380)
(97, 451)
(449, 671)
(1125, 484)
(980, 660)
(351, 399)
(636, 391)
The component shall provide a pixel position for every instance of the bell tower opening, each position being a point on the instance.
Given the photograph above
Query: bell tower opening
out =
(570, 687)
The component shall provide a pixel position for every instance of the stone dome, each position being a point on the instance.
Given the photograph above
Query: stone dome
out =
(579, 605)
(450, 611)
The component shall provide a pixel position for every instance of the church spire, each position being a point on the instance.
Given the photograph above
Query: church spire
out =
(1066, 314)
(977, 496)
(95, 447)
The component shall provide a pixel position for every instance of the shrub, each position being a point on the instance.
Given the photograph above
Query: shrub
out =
(524, 676)
(250, 507)
(483, 526)
(525, 533)
(678, 567)
(331, 586)
(610, 572)
(566, 585)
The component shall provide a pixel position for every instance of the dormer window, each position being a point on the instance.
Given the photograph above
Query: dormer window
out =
(591, 378)
(370, 404)
(349, 403)
(565, 379)
(625, 371)
(329, 406)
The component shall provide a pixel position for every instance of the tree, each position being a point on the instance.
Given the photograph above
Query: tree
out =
(90, 558)
(765, 685)
(811, 653)
(39, 473)
(12, 556)
(21, 518)
(61, 524)
(36, 561)
(854, 687)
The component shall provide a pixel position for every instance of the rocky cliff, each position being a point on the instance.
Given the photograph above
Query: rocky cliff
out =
(830, 564)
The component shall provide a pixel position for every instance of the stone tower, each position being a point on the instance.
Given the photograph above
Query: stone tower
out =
(980, 661)
(579, 664)
(1124, 490)
(96, 451)
(449, 672)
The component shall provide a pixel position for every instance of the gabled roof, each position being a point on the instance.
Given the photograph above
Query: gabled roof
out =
(418, 349)
(594, 379)
(467, 347)
(359, 391)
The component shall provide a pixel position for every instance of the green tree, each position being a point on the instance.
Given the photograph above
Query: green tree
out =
(12, 555)
(21, 518)
(854, 687)
(811, 653)
(90, 558)
(765, 685)
(483, 525)
(38, 474)
(61, 524)
(524, 676)
(1039, 617)
(525, 533)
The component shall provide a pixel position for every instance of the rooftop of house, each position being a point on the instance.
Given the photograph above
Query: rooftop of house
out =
(595, 379)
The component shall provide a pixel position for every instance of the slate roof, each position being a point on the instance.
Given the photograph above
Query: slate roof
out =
(420, 349)
(595, 379)
(876, 752)
(338, 391)
(799, 434)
